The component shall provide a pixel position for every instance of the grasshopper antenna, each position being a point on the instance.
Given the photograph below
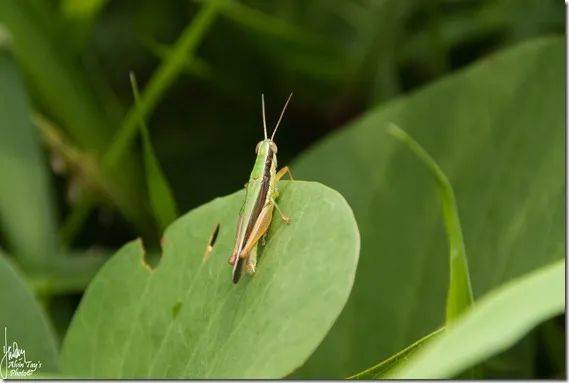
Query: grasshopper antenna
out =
(264, 119)
(281, 117)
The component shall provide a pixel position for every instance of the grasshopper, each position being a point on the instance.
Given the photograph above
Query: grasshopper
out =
(260, 194)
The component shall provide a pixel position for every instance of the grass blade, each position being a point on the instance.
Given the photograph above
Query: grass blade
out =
(497, 321)
(383, 368)
(170, 69)
(194, 66)
(459, 295)
(159, 191)
(265, 24)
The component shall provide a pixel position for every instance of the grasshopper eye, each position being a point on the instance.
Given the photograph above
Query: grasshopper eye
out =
(257, 147)
(273, 147)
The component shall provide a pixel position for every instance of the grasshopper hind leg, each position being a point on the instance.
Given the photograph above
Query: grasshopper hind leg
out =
(263, 239)
(237, 266)
(247, 257)
(251, 261)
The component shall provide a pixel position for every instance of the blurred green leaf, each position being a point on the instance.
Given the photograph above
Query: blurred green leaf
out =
(517, 362)
(163, 77)
(53, 74)
(86, 9)
(24, 320)
(551, 354)
(459, 295)
(313, 54)
(380, 41)
(496, 322)
(266, 24)
(67, 274)
(26, 210)
(80, 167)
(159, 191)
(59, 85)
(382, 369)
(265, 326)
(497, 131)
(80, 17)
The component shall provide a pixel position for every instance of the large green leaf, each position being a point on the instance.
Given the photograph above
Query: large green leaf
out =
(26, 212)
(23, 321)
(187, 319)
(497, 131)
(497, 321)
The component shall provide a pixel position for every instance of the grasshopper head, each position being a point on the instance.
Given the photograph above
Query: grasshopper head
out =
(263, 146)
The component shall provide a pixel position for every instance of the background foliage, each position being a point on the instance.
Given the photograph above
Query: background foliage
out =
(75, 173)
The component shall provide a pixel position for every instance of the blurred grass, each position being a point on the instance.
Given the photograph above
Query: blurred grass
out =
(161, 80)
(159, 191)
(171, 67)
(52, 70)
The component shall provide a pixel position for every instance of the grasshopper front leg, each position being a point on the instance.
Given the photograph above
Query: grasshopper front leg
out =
(280, 174)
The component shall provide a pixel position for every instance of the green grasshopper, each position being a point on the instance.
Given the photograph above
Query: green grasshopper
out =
(260, 194)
